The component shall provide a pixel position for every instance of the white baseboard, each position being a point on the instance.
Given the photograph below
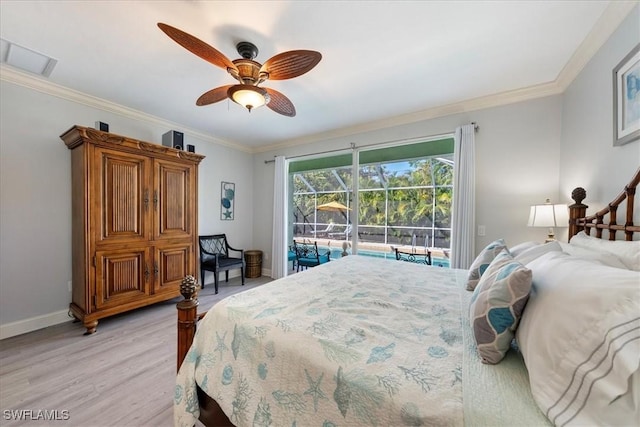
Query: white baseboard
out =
(232, 274)
(34, 323)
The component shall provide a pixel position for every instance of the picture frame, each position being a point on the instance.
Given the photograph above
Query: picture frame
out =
(626, 98)
(227, 200)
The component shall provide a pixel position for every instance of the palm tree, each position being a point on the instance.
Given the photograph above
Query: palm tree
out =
(420, 197)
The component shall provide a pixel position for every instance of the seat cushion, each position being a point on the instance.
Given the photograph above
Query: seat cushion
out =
(227, 262)
(207, 258)
(209, 264)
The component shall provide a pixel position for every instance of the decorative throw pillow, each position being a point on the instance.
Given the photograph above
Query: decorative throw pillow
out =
(497, 305)
(482, 261)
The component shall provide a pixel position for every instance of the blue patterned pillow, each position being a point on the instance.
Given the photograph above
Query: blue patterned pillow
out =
(482, 261)
(497, 304)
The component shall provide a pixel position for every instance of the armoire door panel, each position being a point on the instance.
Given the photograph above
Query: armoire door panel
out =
(174, 263)
(124, 196)
(122, 276)
(173, 197)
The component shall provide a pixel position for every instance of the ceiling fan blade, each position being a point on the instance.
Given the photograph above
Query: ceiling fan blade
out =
(287, 65)
(213, 96)
(280, 103)
(198, 47)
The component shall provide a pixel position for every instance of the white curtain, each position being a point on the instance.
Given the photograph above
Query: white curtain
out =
(464, 198)
(279, 249)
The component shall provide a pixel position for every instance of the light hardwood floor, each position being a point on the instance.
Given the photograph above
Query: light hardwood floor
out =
(123, 375)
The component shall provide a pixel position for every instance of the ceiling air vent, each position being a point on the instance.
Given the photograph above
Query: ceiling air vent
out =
(26, 59)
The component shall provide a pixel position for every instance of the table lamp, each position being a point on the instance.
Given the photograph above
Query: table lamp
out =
(549, 215)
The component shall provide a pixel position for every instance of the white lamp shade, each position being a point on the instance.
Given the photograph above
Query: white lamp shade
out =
(549, 215)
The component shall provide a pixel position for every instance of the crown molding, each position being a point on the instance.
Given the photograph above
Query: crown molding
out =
(608, 22)
(475, 104)
(30, 81)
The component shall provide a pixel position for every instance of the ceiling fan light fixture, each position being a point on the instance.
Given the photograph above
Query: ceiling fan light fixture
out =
(249, 73)
(250, 97)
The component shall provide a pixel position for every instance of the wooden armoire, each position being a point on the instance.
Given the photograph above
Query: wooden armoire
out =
(134, 222)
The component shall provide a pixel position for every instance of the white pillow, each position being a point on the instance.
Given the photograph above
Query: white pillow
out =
(617, 413)
(602, 257)
(628, 252)
(521, 247)
(534, 252)
(580, 339)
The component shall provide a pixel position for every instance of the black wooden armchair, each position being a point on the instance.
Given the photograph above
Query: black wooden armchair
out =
(214, 256)
(308, 255)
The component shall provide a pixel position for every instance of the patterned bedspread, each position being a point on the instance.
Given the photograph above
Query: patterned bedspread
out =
(357, 341)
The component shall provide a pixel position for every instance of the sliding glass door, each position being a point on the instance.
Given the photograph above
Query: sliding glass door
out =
(404, 195)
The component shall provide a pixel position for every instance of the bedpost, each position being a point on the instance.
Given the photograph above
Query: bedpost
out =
(577, 210)
(630, 191)
(187, 316)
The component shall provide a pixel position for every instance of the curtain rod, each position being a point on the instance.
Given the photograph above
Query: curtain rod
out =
(353, 146)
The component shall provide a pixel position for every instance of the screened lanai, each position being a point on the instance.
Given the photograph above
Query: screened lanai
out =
(404, 200)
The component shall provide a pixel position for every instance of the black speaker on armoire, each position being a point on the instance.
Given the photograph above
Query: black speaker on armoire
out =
(173, 139)
(104, 127)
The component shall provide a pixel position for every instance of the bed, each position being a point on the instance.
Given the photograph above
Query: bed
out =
(370, 342)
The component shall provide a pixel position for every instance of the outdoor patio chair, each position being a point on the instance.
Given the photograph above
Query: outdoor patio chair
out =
(342, 234)
(291, 256)
(307, 255)
(412, 256)
(324, 233)
(214, 256)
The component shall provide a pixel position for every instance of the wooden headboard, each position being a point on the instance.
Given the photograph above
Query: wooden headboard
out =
(578, 219)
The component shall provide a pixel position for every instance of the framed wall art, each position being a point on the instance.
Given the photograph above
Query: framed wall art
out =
(227, 197)
(626, 98)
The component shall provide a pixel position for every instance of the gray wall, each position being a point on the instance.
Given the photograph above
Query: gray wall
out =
(526, 152)
(517, 164)
(588, 157)
(35, 198)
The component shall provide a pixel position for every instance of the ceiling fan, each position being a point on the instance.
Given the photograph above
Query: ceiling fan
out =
(248, 72)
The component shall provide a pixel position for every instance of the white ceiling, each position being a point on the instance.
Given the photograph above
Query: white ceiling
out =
(384, 62)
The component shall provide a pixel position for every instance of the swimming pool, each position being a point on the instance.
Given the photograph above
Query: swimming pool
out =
(336, 253)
